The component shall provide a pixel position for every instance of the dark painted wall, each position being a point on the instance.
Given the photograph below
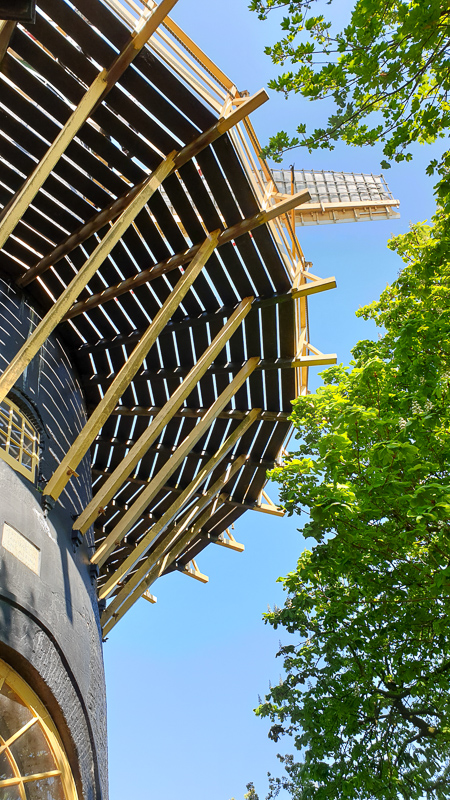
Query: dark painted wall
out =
(49, 623)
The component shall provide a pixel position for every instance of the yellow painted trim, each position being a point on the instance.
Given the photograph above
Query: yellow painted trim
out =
(38, 710)
(13, 462)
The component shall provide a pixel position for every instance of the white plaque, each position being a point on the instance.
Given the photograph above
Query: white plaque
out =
(21, 548)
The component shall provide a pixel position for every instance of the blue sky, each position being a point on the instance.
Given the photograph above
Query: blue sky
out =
(184, 675)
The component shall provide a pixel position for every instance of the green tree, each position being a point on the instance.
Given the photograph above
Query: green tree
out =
(366, 689)
(388, 73)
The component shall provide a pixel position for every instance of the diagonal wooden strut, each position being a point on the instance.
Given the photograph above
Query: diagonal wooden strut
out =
(169, 264)
(124, 377)
(157, 529)
(169, 549)
(104, 81)
(155, 484)
(65, 300)
(115, 208)
(161, 418)
(62, 305)
(7, 28)
(177, 506)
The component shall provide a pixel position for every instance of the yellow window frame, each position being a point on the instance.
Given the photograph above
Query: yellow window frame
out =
(40, 717)
(19, 440)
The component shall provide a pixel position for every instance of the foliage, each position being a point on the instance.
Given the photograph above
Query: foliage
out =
(388, 72)
(366, 690)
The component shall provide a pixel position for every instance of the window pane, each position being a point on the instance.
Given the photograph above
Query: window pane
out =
(32, 752)
(6, 770)
(14, 451)
(14, 714)
(45, 789)
(28, 444)
(16, 434)
(28, 429)
(27, 461)
(17, 419)
(9, 793)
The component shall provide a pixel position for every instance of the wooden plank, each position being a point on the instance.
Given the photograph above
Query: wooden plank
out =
(163, 523)
(164, 474)
(150, 434)
(111, 211)
(245, 226)
(60, 308)
(82, 443)
(96, 92)
(152, 411)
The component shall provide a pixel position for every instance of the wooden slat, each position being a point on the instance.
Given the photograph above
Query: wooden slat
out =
(162, 476)
(161, 418)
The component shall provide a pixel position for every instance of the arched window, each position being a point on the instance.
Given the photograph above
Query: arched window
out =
(33, 764)
(19, 441)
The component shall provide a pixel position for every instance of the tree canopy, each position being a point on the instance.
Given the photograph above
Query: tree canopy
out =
(366, 689)
(387, 71)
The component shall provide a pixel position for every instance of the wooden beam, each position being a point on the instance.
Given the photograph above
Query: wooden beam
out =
(150, 597)
(193, 413)
(65, 300)
(169, 264)
(322, 360)
(160, 479)
(319, 285)
(7, 28)
(176, 507)
(162, 417)
(269, 506)
(169, 451)
(175, 326)
(115, 208)
(164, 555)
(226, 539)
(164, 563)
(82, 443)
(264, 365)
(104, 81)
(132, 590)
(192, 571)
